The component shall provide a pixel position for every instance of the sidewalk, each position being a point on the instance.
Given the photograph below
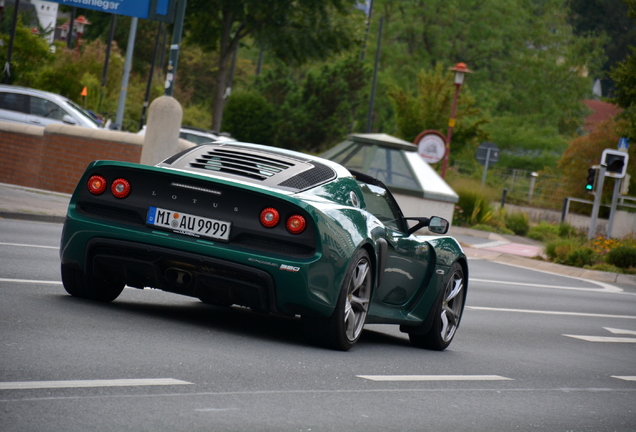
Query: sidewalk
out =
(19, 202)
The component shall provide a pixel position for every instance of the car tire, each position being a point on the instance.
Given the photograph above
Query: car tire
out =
(78, 284)
(447, 313)
(343, 328)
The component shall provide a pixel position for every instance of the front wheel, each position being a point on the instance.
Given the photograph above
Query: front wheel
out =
(78, 284)
(343, 328)
(448, 313)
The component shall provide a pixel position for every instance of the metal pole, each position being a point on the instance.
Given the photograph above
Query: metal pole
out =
(610, 223)
(69, 38)
(124, 80)
(375, 78)
(483, 177)
(366, 32)
(566, 209)
(174, 47)
(111, 36)
(597, 202)
(6, 79)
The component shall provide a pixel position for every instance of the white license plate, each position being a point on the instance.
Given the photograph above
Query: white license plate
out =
(187, 224)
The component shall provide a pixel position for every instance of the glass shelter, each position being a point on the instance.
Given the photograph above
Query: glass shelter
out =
(419, 190)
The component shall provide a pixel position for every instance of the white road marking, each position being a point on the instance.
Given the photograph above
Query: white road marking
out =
(21, 385)
(31, 281)
(434, 377)
(606, 338)
(552, 312)
(625, 378)
(602, 339)
(604, 287)
(29, 245)
(620, 331)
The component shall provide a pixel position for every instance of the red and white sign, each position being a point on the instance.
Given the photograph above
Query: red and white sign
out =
(431, 145)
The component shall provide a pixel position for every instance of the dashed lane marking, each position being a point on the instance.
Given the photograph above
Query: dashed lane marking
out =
(22, 385)
(434, 377)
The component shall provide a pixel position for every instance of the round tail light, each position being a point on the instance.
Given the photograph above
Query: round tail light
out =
(296, 224)
(269, 217)
(97, 185)
(120, 188)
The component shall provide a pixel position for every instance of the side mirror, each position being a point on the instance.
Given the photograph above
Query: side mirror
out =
(69, 120)
(435, 224)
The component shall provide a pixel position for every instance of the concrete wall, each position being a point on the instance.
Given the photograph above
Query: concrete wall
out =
(624, 222)
(54, 158)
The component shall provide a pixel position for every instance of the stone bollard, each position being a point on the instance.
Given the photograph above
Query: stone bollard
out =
(162, 132)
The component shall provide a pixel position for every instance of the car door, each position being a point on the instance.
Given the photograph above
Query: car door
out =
(407, 260)
(13, 107)
(43, 112)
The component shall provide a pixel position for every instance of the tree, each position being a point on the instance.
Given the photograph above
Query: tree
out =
(318, 110)
(430, 108)
(293, 30)
(610, 18)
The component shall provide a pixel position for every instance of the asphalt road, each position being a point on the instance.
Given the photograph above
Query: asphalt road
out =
(535, 351)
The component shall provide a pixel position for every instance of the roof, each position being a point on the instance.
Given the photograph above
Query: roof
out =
(601, 111)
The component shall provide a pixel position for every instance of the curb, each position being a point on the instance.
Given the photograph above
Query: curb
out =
(32, 217)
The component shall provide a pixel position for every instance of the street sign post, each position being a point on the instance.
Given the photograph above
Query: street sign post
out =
(487, 154)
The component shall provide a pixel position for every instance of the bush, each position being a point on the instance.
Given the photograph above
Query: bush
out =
(472, 208)
(543, 232)
(622, 257)
(580, 257)
(249, 118)
(518, 222)
(557, 250)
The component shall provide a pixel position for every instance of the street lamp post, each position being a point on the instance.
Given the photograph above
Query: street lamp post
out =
(460, 70)
(80, 22)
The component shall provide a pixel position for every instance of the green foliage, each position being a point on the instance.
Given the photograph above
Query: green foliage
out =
(431, 106)
(30, 53)
(197, 116)
(518, 222)
(624, 76)
(569, 251)
(543, 231)
(473, 208)
(249, 118)
(317, 112)
(622, 256)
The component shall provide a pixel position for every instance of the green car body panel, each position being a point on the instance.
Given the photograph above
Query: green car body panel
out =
(268, 269)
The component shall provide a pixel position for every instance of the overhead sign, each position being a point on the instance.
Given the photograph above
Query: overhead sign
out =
(431, 145)
(487, 152)
(162, 10)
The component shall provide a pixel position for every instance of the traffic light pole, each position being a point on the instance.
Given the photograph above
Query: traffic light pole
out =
(597, 201)
(617, 190)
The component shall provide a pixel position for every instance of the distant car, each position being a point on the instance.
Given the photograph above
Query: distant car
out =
(40, 108)
(274, 230)
(198, 136)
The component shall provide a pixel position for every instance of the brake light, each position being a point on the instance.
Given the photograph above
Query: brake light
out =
(120, 188)
(97, 185)
(296, 224)
(269, 217)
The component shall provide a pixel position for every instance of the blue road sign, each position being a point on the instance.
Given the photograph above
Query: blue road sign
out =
(133, 8)
(623, 144)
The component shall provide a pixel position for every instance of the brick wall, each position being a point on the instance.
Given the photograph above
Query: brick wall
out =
(54, 158)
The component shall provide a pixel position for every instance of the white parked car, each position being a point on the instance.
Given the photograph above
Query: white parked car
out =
(198, 136)
(40, 108)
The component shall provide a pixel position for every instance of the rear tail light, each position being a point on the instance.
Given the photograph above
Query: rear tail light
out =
(269, 217)
(97, 185)
(120, 188)
(296, 224)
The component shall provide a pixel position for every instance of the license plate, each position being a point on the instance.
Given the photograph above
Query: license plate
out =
(187, 224)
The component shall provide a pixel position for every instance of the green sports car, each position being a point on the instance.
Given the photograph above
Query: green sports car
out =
(277, 231)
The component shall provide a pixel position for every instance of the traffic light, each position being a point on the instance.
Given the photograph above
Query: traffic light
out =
(591, 178)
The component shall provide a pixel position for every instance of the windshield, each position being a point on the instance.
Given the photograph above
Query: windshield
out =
(85, 114)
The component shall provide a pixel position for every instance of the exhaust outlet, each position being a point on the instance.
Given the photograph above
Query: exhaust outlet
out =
(178, 276)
